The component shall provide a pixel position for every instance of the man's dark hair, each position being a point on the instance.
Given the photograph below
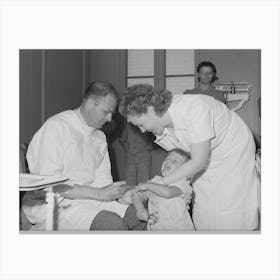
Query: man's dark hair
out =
(207, 64)
(100, 89)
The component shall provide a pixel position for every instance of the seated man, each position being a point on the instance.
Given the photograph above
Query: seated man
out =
(71, 144)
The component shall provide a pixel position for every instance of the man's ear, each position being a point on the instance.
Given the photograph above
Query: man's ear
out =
(96, 102)
(93, 102)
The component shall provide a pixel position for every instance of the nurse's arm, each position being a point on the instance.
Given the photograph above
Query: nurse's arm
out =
(199, 158)
(107, 193)
(160, 190)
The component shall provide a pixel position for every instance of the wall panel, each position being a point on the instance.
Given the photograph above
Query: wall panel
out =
(243, 66)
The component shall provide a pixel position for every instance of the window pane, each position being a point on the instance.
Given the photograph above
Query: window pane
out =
(140, 63)
(179, 62)
(133, 81)
(178, 85)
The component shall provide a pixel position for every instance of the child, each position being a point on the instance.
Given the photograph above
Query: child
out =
(167, 209)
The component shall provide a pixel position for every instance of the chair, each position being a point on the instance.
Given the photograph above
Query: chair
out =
(24, 224)
(258, 170)
(23, 165)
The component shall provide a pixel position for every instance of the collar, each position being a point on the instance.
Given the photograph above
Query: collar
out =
(85, 126)
(165, 132)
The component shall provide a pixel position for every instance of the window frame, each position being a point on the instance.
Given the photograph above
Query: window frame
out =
(160, 69)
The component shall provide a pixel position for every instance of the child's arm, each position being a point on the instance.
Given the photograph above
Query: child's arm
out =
(138, 199)
(160, 189)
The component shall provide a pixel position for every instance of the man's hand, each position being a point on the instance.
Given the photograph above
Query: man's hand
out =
(61, 189)
(113, 191)
(38, 194)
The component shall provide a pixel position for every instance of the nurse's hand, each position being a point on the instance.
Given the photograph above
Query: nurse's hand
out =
(113, 191)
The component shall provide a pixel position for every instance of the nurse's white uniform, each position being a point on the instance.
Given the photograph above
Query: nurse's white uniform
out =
(226, 191)
(66, 145)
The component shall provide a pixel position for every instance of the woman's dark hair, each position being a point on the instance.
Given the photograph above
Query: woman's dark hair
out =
(137, 98)
(181, 152)
(100, 89)
(207, 64)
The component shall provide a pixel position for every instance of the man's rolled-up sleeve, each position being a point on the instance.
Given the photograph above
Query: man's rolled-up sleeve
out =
(103, 176)
(45, 152)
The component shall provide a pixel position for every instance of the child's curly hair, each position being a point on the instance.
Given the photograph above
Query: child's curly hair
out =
(137, 98)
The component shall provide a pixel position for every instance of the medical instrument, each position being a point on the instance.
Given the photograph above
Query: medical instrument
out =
(235, 91)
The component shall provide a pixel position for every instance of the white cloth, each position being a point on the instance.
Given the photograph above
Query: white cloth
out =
(169, 214)
(66, 145)
(226, 191)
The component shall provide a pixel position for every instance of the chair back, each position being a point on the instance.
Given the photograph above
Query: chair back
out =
(23, 164)
(24, 224)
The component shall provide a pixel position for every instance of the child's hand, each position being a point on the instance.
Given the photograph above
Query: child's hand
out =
(153, 218)
(142, 187)
(158, 179)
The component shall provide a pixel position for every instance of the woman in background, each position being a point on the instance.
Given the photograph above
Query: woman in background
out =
(222, 153)
(207, 75)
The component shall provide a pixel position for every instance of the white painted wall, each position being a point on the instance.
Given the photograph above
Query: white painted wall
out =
(243, 66)
(51, 81)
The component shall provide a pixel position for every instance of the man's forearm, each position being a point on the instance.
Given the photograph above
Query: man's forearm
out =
(84, 192)
(106, 193)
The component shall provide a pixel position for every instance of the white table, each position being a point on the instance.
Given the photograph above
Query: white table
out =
(50, 198)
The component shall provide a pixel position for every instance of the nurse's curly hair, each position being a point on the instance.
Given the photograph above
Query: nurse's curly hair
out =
(137, 98)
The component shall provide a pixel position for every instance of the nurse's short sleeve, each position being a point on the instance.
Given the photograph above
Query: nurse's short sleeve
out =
(201, 122)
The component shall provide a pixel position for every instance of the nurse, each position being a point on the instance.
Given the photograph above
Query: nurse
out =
(222, 151)
(71, 144)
